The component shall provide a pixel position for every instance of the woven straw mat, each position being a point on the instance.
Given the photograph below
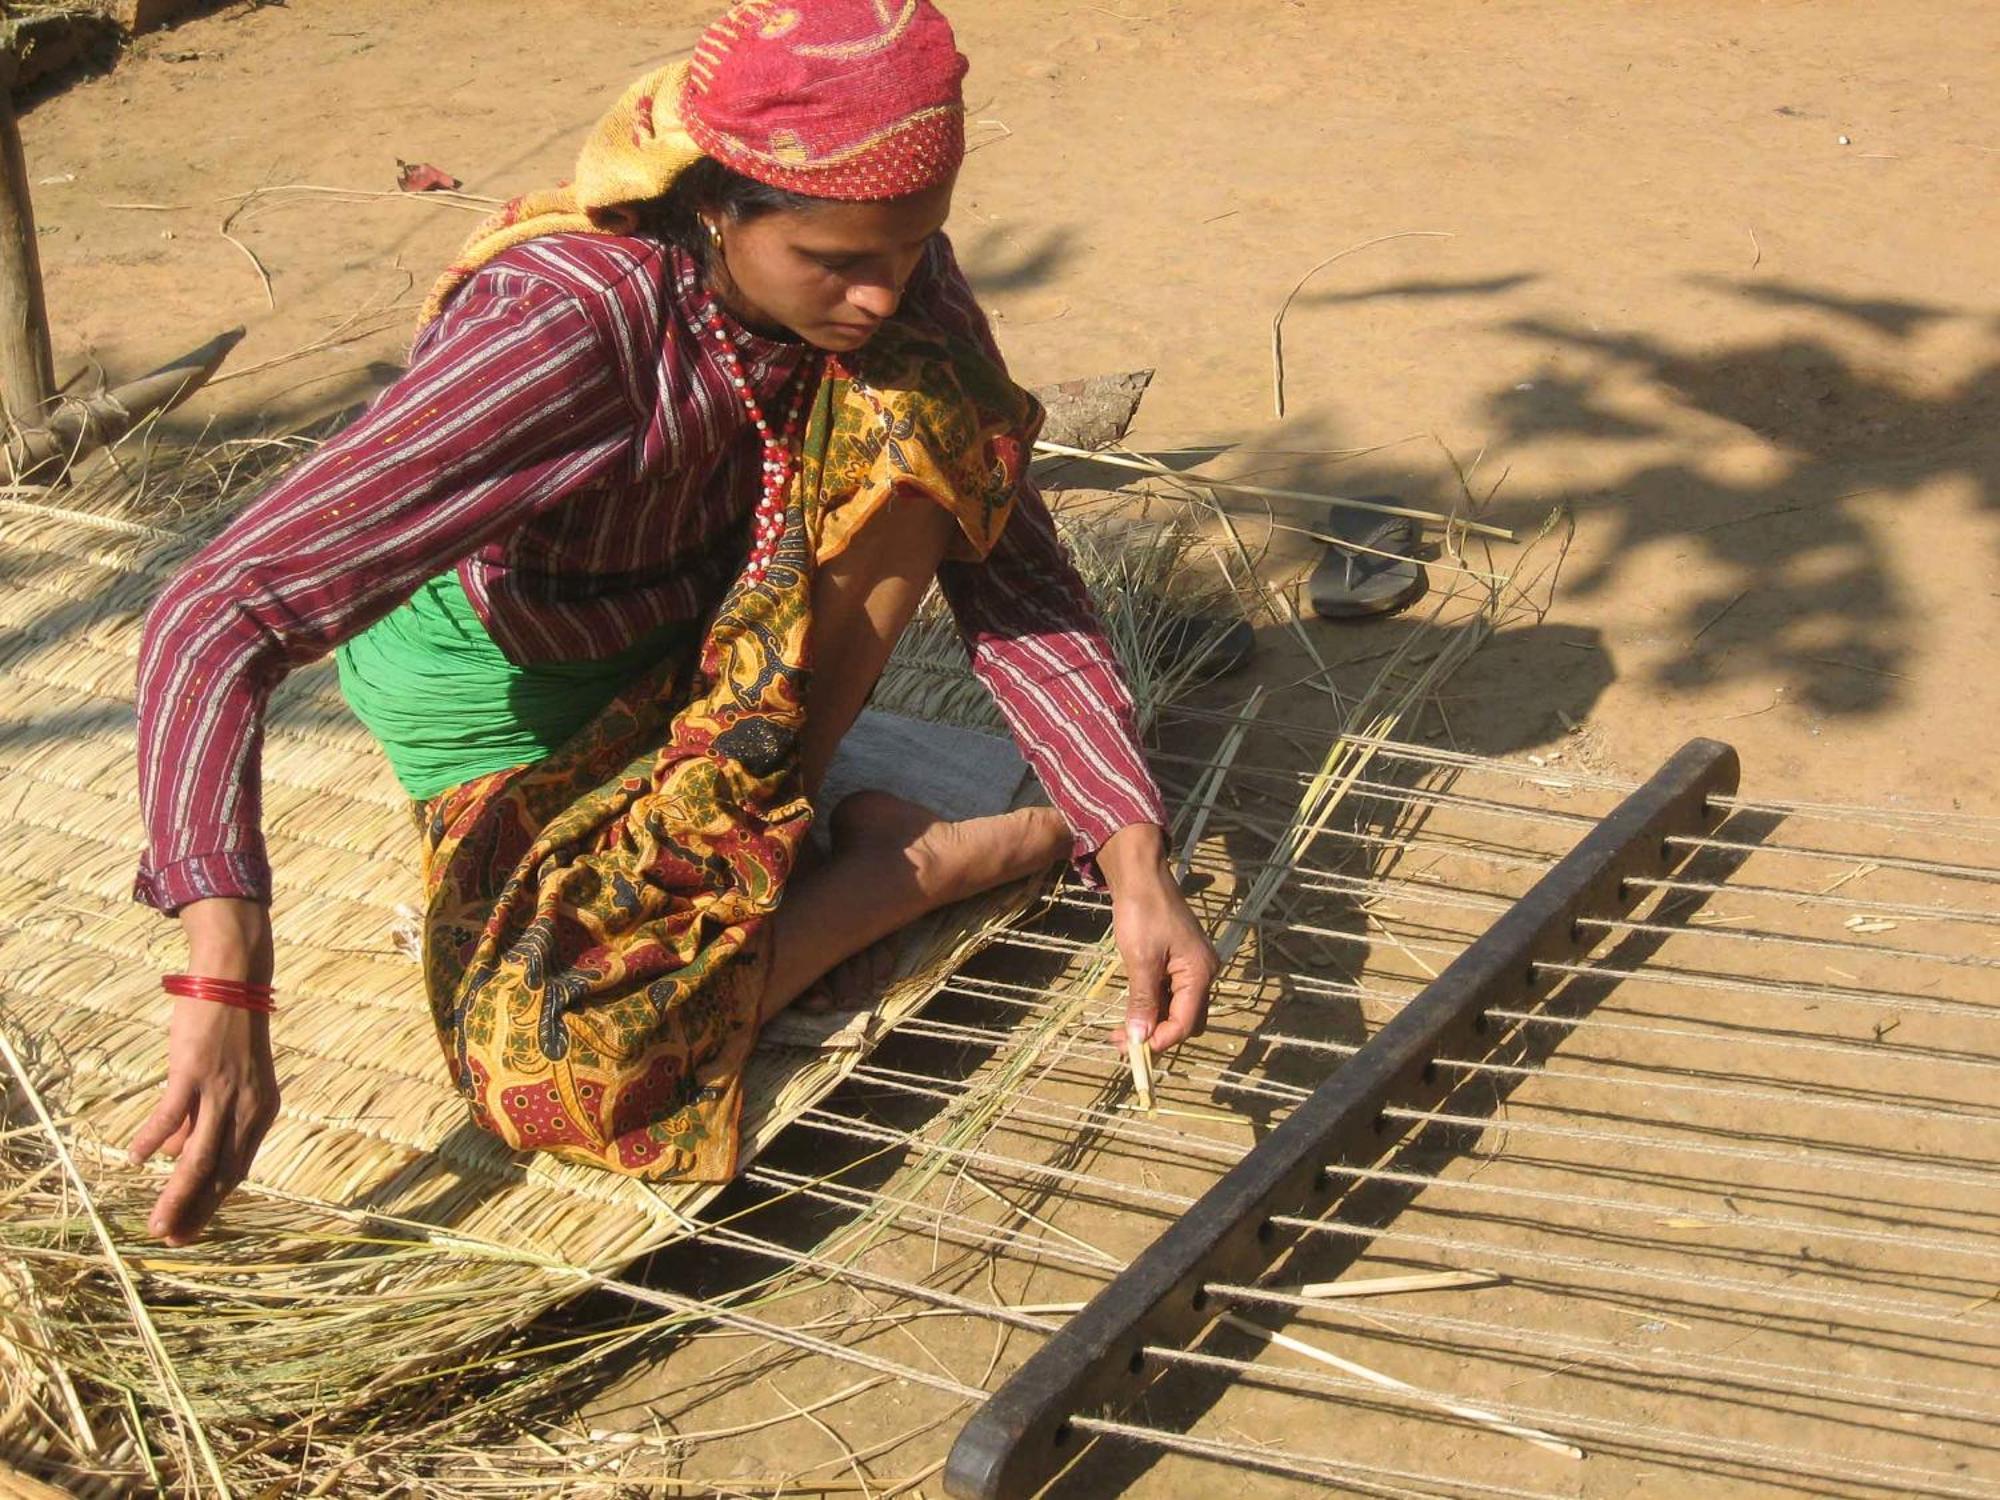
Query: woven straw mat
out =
(369, 1121)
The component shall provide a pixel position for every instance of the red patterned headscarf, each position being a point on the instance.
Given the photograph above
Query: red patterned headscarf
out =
(849, 99)
(830, 98)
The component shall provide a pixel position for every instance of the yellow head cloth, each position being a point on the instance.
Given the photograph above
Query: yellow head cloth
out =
(634, 153)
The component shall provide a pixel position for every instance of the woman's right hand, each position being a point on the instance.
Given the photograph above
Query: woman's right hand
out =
(221, 1092)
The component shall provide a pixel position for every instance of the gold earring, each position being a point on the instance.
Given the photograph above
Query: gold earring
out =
(714, 235)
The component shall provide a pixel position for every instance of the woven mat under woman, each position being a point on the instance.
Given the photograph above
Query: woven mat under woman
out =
(597, 927)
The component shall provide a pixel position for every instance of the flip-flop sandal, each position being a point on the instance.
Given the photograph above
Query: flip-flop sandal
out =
(1354, 580)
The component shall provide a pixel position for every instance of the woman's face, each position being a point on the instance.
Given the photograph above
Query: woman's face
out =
(832, 273)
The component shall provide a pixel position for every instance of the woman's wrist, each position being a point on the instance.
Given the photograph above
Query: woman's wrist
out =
(228, 938)
(1134, 857)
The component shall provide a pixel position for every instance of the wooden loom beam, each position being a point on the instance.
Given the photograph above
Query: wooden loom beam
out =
(1022, 1435)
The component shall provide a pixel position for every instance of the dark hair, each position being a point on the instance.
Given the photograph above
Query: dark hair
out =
(708, 188)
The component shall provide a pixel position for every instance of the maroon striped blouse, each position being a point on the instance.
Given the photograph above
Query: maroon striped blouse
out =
(563, 439)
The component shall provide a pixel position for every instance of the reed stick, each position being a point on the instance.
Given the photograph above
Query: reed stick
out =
(1435, 520)
(1546, 1441)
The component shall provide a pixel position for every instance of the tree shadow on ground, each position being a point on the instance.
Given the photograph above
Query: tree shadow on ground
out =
(1809, 591)
(1887, 315)
(1426, 288)
(1749, 526)
(996, 260)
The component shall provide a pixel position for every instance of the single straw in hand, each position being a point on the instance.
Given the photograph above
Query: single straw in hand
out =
(1141, 1057)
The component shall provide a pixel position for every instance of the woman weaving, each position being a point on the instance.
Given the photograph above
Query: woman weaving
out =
(610, 571)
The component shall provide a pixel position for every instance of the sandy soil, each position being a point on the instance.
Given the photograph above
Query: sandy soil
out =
(1758, 364)
(1707, 276)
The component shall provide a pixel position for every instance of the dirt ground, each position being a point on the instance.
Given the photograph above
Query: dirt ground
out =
(1705, 276)
(1759, 364)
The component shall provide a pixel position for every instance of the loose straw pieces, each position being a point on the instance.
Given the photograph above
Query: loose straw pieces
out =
(1484, 1418)
(1278, 322)
(1433, 520)
(1141, 1057)
(1383, 1286)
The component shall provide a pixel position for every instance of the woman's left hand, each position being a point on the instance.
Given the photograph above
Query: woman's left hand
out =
(1170, 965)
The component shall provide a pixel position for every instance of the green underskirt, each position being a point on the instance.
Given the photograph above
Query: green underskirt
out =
(448, 705)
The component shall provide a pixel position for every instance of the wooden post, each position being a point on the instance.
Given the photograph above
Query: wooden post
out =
(27, 368)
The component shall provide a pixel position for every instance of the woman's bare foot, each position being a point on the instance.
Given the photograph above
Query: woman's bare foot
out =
(879, 833)
(892, 862)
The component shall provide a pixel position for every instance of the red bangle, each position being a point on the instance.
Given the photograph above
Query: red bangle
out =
(233, 992)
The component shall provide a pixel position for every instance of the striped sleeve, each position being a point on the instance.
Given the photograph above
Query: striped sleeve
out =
(511, 405)
(1038, 646)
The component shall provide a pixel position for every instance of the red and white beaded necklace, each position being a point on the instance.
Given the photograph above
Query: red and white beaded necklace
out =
(780, 446)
